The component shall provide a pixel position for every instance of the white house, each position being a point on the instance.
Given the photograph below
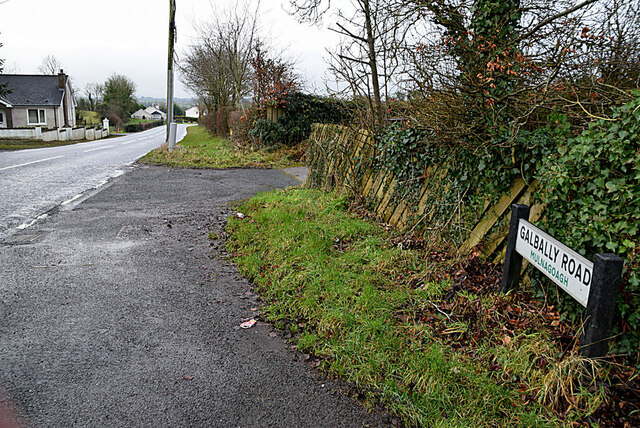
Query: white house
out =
(37, 101)
(150, 113)
(192, 112)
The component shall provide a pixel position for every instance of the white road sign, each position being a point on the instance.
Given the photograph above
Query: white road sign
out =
(568, 269)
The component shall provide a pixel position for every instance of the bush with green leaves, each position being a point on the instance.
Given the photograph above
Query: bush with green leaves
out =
(461, 177)
(269, 134)
(138, 127)
(590, 185)
(301, 111)
(592, 194)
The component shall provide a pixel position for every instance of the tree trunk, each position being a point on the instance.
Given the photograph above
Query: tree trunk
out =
(372, 62)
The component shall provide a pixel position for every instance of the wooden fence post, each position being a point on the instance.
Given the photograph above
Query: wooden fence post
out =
(513, 260)
(601, 306)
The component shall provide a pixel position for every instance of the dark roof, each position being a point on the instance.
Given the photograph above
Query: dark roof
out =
(32, 90)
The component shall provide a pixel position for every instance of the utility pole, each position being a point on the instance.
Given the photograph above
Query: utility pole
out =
(172, 37)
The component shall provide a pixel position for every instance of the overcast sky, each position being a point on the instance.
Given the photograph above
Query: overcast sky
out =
(95, 38)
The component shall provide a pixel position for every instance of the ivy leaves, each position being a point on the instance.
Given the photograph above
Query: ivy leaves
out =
(593, 200)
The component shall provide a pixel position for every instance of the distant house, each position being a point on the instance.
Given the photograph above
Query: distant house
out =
(37, 101)
(150, 113)
(192, 112)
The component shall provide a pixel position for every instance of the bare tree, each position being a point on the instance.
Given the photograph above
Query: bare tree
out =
(94, 92)
(365, 60)
(3, 87)
(50, 65)
(218, 67)
(471, 67)
(11, 68)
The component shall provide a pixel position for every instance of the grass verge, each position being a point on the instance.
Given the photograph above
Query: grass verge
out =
(201, 150)
(410, 328)
(34, 144)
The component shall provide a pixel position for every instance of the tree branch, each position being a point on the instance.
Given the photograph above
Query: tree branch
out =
(553, 18)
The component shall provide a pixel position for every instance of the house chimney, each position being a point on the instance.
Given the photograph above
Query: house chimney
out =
(61, 79)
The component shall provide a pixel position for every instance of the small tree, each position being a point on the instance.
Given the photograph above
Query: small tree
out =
(119, 93)
(50, 65)
(217, 69)
(273, 81)
(365, 60)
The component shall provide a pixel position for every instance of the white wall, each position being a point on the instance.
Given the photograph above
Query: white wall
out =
(62, 134)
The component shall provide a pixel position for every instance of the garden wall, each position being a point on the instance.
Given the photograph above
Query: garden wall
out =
(61, 134)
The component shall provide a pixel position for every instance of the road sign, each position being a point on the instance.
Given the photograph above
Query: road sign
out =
(593, 285)
(569, 270)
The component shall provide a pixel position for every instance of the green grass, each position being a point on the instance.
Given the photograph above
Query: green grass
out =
(200, 150)
(333, 280)
(89, 118)
(34, 144)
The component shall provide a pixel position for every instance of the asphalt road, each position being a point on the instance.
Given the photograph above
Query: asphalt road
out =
(123, 312)
(32, 182)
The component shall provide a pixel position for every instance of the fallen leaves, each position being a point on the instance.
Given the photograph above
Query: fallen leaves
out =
(466, 320)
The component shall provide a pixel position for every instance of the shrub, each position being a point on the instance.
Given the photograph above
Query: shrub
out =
(241, 124)
(114, 119)
(269, 134)
(301, 112)
(208, 122)
(592, 194)
(185, 119)
(222, 120)
(137, 127)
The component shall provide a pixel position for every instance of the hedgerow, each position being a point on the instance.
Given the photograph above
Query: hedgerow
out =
(590, 185)
(592, 194)
(301, 111)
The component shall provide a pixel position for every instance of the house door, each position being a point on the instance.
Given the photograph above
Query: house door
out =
(3, 121)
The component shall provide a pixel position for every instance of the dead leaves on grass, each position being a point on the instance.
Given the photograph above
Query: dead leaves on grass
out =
(473, 315)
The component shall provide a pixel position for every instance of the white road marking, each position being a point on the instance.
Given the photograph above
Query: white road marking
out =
(98, 148)
(30, 163)
(101, 184)
(132, 141)
(32, 222)
(68, 201)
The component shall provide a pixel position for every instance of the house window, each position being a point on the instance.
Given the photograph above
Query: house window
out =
(36, 116)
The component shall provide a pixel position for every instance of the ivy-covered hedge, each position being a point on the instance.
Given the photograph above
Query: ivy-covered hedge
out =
(590, 185)
(301, 112)
(592, 193)
(468, 178)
